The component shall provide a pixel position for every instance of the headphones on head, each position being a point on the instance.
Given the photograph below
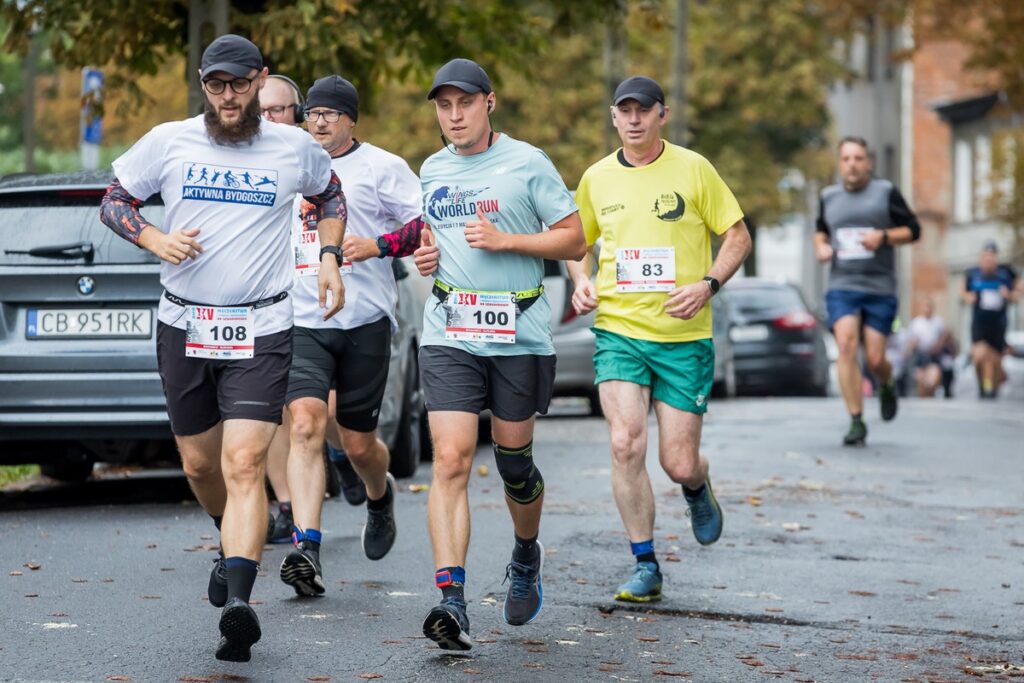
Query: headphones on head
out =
(298, 110)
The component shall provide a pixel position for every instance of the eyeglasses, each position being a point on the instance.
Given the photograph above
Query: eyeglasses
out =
(273, 111)
(215, 86)
(329, 115)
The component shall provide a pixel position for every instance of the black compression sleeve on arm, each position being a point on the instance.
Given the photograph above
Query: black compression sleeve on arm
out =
(900, 214)
(119, 211)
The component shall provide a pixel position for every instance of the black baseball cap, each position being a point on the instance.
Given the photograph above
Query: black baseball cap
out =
(644, 90)
(234, 54)
(334, 92)
(464, 74)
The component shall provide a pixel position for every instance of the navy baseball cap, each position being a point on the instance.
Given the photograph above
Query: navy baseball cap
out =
(464, 74)
(234, 54)
(334, 92)
(990, 245)
(644, 90)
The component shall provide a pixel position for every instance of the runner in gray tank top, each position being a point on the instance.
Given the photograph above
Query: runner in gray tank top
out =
(860, 222)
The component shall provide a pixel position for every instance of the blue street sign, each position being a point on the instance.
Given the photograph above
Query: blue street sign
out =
(92, 92)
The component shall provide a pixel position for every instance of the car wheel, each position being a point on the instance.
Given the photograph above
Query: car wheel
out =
(405, 456)
(75, 466)
(333, 476)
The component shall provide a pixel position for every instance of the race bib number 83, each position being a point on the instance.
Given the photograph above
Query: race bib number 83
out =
(645, 269)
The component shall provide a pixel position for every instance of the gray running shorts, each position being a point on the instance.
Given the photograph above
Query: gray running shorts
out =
(515, 388)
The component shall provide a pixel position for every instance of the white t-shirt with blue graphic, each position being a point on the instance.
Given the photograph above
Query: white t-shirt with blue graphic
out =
(240, 198)
(519, 190)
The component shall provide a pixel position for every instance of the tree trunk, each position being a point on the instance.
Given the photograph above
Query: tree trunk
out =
(614, 53)
(680, 64)
(28, 113)
(207, 19)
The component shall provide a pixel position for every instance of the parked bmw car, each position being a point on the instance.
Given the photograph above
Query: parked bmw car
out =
(78, 375)
(574, 342)
(778, 343)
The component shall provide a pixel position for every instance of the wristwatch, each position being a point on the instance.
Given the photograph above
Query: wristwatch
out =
(885, 236)
(384, 246)
(331, 250)
(713, 284)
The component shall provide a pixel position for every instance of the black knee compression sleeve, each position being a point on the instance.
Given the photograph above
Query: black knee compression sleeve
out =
(523, 482)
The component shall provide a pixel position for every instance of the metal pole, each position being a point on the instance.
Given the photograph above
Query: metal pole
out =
(28, 113)
(207, 19)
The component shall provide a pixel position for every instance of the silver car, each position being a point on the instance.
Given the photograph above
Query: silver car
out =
(78, 374)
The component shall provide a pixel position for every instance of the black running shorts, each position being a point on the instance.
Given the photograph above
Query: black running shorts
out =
(990, 331)
(202, 392)
(515, 388)
(354, 362)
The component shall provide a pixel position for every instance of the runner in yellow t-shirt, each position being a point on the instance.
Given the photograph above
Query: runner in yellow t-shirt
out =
(654, 205)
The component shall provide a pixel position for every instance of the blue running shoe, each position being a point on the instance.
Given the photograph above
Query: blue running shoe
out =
(705, 515)
(525, 594)
(643, 586)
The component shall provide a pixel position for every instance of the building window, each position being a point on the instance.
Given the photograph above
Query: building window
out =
(869, 57)
(891, 46)
(963, 192)
(982, 176)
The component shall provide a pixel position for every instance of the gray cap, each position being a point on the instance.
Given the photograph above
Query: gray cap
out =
(990, 245)
(234, 54)
(334, 92)
(644, 90)
(464, 74)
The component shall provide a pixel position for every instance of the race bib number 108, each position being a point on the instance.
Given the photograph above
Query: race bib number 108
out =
(219, 332)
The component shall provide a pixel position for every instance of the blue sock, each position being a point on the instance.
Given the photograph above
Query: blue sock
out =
(335, 454)
(644, 551)
(311, 536)
(241, 574)
(451, 581)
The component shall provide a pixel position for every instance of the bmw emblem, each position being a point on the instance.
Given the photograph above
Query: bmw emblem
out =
(85, 285)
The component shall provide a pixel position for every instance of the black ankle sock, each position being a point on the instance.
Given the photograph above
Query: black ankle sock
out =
(217, 519)
(284, 508)
(525, 550)
(692, 493)
(856, 417)
(241, 573)
(648, 557)
(381, 503)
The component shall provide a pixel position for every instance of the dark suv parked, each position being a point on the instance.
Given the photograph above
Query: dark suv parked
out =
(78, 375)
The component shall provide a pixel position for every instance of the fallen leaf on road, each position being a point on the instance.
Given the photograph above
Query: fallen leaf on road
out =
(811, 485)
(318, 679)
(859, 658)
(582, 582)
(753, 500)
(567, 642)
(118, 677)
(907, 582)
(150, 546)
(201, 546)
(419, 488)
(671, 558)
(608, 667)
(534, 642)
(551, 551)
(107, 580)
(373, 585)
(34, 566)
(395, 642)
(472, 671)
(750, 660)
(794, 526)
(863, 594)
(532, 665)
(854, 514)
(671, 537)
(58, 614)
(648, 639)
(206, 537)
(31, 595)
(370, 676)
(16, 573)
(677, 674)
(79, 580)
(150, 597)
(905, 657)
(482, 470)
(485, 640)
(196, 679)
(773, 609)
(662, 662)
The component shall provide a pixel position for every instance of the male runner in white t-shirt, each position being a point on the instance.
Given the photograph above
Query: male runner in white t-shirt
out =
(228, 180)
(351, 352)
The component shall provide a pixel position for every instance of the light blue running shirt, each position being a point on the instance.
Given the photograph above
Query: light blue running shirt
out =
(520, 191)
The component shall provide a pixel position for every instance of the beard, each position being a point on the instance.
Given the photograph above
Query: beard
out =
(245, 130)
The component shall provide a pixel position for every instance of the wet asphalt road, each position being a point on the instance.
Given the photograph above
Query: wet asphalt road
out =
(903, 561)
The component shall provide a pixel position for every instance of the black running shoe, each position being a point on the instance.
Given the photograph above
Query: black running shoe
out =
(280, 530)
(352, 487)
(239, 630)
(887, 401)
(448, 626)
(217, 591)
(301, 570)
(380, 530)
(857, 435)
(525, 594)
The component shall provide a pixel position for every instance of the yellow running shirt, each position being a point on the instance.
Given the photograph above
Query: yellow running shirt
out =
(672, 202)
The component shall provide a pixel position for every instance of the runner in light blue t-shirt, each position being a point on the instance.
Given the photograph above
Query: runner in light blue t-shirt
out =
(486, 332)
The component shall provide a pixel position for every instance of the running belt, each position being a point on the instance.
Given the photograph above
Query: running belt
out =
(261, 303)
(523, 299)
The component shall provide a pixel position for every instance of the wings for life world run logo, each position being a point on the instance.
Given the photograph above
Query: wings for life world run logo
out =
(232, 184)
(455, 205)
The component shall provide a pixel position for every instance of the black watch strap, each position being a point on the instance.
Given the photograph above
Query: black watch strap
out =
(713, 284)
(384, 246)
(331, 250)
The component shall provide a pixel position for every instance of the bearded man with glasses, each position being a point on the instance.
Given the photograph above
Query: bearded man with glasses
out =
(228, 180)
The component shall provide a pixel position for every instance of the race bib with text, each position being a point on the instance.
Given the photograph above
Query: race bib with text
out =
(219, 332)
(480, 317)
(645, 269)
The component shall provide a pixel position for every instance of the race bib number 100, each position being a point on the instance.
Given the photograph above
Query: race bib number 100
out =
(307, 254)
(647, 269)
(219, 332)
(480, 317)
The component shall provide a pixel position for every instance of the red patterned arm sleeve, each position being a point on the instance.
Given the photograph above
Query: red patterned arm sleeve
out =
(328, 204)
(119, 211)
(405, 240)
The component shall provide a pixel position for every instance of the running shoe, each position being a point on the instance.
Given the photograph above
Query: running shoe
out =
(525, 594)
(857, 435)
(887, 401)
(352, 487)
(280, 531)
(300, 569)
(448, 626)
(380, 530)
(217, 591)
(705, 514)
(239, 630)
(643, 586)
